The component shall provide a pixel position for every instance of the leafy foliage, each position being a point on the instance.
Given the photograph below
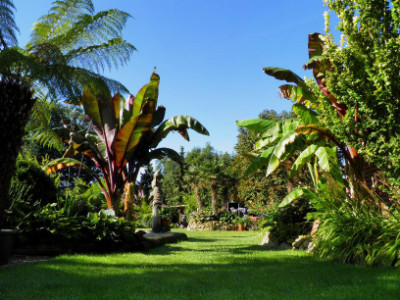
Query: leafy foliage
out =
(36, 184)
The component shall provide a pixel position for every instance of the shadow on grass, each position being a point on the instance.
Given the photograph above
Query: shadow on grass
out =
(218, 269)
(256, 277)
(201, 240)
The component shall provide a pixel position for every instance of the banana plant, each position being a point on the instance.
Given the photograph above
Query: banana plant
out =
(281, 142)
(125, 137)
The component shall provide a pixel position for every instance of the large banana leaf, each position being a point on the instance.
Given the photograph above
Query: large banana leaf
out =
(160, 153)
(158, 117)
(328, 162)
(284, 74)
(129, 136)
(101, 113)
(296, 194)
(285, 140)
(260, 161)
(258, 125)
(323, 132)
(178, 123)
(297, 94)
(62, 163)
(273, 164)
(303, 159)
(307, 115)
(148, 91)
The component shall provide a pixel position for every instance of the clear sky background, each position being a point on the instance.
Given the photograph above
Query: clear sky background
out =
(209, 54)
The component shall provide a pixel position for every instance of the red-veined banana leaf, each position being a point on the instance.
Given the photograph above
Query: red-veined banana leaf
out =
(317, 62)
(299, 93)
(62, 163)
(100, 111)
(130, 135)
(177, 123)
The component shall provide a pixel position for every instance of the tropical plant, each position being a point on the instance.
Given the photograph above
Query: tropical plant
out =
(256, 190)
(69, 47)
(65, 41)
(126, 134)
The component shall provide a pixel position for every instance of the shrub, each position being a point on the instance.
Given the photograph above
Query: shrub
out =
(352, 232)
(143, 213)
(36, 184)
(50, 225)
(287, 223)
(84, 198)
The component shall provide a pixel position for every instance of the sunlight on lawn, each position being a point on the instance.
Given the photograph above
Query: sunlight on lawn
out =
(210, 265)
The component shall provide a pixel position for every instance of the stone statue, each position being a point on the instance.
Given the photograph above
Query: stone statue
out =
(157, 197)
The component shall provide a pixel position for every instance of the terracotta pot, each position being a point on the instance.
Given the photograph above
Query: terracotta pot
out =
(241, 227)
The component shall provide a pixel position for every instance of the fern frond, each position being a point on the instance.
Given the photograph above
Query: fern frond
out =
(41, 127)
(57, 21)
(8, 27)
(92, 29)
(116, 52)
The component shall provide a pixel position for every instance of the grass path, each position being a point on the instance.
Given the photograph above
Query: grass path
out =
(210, 265)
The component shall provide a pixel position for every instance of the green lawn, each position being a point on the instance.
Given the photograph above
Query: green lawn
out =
(210, 265)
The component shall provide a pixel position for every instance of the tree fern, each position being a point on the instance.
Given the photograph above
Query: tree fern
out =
(69, 46)
(8, 27)
(41, 127)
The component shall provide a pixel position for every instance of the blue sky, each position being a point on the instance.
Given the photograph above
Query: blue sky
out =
(209, 54)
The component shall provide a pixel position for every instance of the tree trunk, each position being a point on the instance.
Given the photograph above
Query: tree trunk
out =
(214, 198)
(289, 186)
(129, 196)
(198, 198)
(16, 103)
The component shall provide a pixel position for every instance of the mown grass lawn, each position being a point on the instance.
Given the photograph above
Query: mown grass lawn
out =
(210, 265)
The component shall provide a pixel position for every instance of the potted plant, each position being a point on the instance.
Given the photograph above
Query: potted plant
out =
(241, 224)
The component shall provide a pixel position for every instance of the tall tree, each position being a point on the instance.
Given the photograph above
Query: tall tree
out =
(361, 72)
